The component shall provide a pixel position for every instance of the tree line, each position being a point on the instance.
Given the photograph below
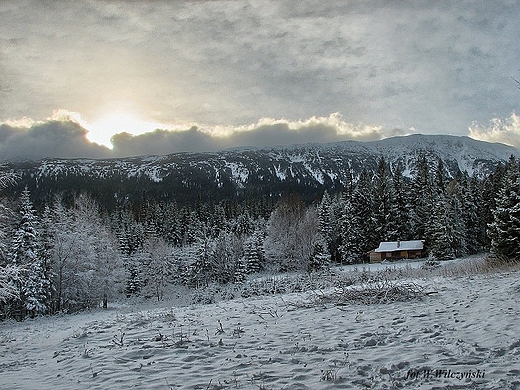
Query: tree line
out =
(71, 255)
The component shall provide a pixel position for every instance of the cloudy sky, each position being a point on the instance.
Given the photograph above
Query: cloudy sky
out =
(114, 78)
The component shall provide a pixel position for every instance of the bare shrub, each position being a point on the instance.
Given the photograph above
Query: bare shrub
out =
(383, 291)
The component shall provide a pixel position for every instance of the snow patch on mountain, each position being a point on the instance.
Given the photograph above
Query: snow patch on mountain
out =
(238, 172)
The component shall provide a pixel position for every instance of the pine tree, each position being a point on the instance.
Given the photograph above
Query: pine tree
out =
(27, 251)
(218, 221)
(243, 224)
(357, 234)
(399, 211)
(324, 216)
(383, 221)
(200, 272)
(134, 281)
(454, 195)
(253, 253)
(227, 250)
(440, 178)
(446, 233)
(422, 200)
(329, 215)
(353, 234)
(320, 257)
(477, 210)
(10, 274)
(504, 231)
(335, 217)
(441, 238)
(240, 271)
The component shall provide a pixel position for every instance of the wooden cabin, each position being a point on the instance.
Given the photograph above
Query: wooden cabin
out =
(397, 250)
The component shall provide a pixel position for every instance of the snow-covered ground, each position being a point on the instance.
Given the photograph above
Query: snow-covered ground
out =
(466, 335)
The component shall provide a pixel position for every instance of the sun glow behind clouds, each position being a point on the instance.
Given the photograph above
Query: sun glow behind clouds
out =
(101, 130)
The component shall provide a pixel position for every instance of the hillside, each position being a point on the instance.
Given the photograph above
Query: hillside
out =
(250, 173)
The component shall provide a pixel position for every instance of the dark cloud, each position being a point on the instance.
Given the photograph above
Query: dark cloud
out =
(280, 134)
(163, 142)
(66, 138)
(268, 132)
(48, 139)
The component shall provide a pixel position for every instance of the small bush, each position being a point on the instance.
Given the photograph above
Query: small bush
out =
(379, 292)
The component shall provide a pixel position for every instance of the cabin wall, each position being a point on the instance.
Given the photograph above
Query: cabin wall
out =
(376, 257)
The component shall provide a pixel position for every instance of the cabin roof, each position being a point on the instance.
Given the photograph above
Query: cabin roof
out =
(392, 246)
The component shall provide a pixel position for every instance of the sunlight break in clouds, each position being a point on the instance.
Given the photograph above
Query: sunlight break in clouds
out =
(102, 130)
(503, 131)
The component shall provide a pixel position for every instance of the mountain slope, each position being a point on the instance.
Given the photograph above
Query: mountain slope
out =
(308, 169)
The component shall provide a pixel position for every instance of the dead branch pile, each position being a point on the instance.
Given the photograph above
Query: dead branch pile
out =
(372, 293)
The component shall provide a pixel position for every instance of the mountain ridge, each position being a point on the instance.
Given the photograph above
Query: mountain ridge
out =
(309, 168)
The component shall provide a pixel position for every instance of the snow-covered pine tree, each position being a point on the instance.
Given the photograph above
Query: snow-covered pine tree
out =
(254, 253)
(227, 250)
(243, 224)
(200, 272)
(336, 211)
(329, 215)
(324, 216)
(440, 178)
(384, 223)
(399, 211)
(440, 231)
(27, 251)
(357, 235)
(446, 233)
(475, 215)
(218, 220)
(10, 274)
(320, 257)
(134, 270)
(240, 271)
(172, 225)
(454, 196)
(421, 200)
(351, 235)
(192, 227)
(491, 186)
(504, 231)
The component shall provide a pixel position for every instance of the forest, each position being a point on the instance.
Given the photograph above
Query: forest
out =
(71, 254)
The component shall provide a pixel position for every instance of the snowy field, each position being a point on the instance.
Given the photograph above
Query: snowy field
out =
(465, 335)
